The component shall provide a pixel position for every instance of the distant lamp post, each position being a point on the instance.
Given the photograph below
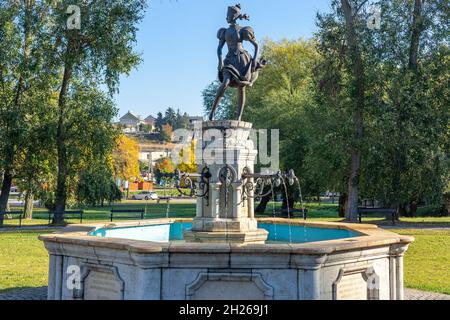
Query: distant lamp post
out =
(150, 167)
(126, 186)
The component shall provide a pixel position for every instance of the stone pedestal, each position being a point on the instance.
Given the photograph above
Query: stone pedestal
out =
(226, 214)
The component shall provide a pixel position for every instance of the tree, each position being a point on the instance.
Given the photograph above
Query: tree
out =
(97, 185)
(167, 133)
(316, 100)
(164, 170)
(227, 106)
(38, 157)
(281, 96)
(405, 105)
(145, 128)
(159, 122)
(446, 200)
(99, 52)
(170, 117)
(280, 100)
(182, 121)
(25, 79)
(413, 131)
(188, 166)
(359, 97)
(126, 158)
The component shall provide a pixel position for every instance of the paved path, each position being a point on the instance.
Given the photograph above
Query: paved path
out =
(412, 294)
(41, 294)
(25, 294)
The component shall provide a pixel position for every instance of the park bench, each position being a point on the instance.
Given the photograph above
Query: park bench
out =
(167, 199)
(292, 212)
(4, 214)
(80, 214)
(367, 211)
(135, 214)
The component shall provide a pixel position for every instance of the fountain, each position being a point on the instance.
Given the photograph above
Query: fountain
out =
(225, 253)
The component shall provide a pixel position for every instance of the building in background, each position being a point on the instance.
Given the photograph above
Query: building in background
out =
(150, 122)
(193, 120)
(131, 122)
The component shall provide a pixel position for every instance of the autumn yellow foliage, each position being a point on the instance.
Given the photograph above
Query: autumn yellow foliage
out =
(191, 166)
(126, 158)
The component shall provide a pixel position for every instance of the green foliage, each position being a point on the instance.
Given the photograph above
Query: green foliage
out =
(167, 133)
(96, 185)
(227, 106)
(282, 98)
(159, 122)
(26, 79)
(407, 121)
(164, 171)
(97, 54)
(175, 120)
(405, 145)
(307, 90)
(53, 113)
(102, 49)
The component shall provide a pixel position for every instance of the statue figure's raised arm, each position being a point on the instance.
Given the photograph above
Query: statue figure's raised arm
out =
(249, 35)
(256, 55)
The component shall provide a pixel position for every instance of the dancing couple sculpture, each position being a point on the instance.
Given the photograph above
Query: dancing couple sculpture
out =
(239, 69)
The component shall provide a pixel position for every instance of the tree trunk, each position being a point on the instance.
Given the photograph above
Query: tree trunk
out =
(261, 208)
(4, 196)
(343, 199)
(413, 209)
(29, 205)
(354, 55)
(353, 188)
(61, 185)
(10, 151)
(416, 30)
(446, 209)
(402, 212)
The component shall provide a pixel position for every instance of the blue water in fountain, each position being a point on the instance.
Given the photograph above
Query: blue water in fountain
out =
(278, 233)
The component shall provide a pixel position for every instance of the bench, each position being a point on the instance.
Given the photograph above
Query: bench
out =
(139, 213)
(80, 214)
(391, 211)
(293, 211)
(13, 213)
(167, 199)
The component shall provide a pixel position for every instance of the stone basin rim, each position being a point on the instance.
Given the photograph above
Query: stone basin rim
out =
(371, 237)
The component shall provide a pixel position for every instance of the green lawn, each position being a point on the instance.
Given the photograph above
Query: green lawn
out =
(23, 260)
(186, 209)
(176, 209)
(427, 262)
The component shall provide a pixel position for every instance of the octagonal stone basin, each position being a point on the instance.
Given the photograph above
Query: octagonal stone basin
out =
(148, 260)
(278, 233)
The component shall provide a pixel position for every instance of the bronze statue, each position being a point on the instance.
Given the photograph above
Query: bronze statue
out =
(239, 69)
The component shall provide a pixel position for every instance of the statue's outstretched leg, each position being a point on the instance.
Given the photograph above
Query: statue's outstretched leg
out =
(241, 103)
(220, 93)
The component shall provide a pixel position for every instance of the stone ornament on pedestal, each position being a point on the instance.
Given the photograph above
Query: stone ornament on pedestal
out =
(226, 215)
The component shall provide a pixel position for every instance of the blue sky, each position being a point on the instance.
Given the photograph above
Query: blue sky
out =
(178, 44)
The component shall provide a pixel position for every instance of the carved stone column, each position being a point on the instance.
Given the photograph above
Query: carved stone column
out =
(396, 284)
(309, 275)
(226, 217)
